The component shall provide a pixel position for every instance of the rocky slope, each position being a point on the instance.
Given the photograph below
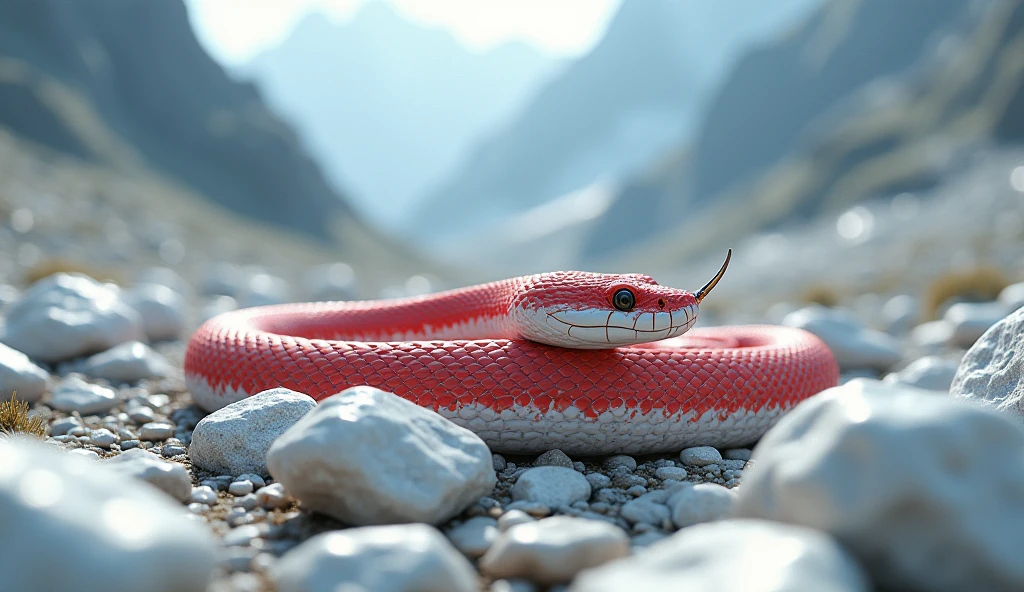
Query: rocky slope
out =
(126, 84)
(895, 125)
(636, 94)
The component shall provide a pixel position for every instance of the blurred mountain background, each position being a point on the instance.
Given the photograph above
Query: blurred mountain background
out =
(685, 128)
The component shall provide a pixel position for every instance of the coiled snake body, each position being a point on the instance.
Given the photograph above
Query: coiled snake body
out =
(588, 363)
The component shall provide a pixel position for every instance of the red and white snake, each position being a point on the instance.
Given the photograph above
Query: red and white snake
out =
(588, 363)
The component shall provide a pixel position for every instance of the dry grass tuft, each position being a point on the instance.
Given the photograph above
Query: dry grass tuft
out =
(15, 419)
(822, 295)
(981, 284)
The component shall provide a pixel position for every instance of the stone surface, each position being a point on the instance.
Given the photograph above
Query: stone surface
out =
(553, 550)
(235, 439)
(161, 308)
(553, 458)
(733, 556)
(854, 345)
(899, 314)
(365, 456)
(930, 373)
(700, 456)
(75, 394)
(474, 536)
(156, 431)
(646, 511)
(170, 477)
(400, 558)
(551, 486)
(992, 371)
(703, 502)
(19, 375)
(1012, 297)
(65, 316)
(970, 320)
(129, 362)
(900, 477)
(74, 524)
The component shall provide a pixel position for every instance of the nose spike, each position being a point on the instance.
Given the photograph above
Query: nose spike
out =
(714, 281)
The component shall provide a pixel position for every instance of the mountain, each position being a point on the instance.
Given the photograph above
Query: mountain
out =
(125, 83)
(388, 105)
(907, 112)
(635, 95)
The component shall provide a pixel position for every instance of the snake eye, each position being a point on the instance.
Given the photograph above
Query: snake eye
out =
(624, 300)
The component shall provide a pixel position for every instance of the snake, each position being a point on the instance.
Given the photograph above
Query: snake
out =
(588, 363)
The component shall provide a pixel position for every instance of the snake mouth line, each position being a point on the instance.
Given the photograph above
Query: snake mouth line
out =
(622, 333)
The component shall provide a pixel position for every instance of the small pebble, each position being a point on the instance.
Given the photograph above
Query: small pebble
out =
(598, 481)
(247, 502)
(64, 425)
(256, 480)
(156, 431)
(129, 444)
(272, 496)
(102, 438)
(140, 414)
(240, 488)
(675, 473)
(619, 460)
(513, 517)
(553, 458)
(499, 462)
(86, 453)
(700, 456)
(197, 508)
(173, 450)
(203, 495)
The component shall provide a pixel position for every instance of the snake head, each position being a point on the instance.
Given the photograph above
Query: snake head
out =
(595, 311)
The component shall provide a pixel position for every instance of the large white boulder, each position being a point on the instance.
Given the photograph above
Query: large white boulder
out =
(65, 316)
(854, 345)
(234, 439)
(19, 374)
(366, 456)
(73, 524)
(733, 556)
(553, 550)
(398, 558)
(992, 371)
(927, 491)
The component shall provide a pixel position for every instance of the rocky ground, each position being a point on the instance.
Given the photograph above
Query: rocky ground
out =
(886, 482)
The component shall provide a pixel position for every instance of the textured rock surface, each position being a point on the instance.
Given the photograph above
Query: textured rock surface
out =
(170, 477)
(235, 439)
(901, 477)
(553, 550)
(366, 456)
(733, 556)
(399, 558)
(74, 524)
(992, 372)
(551, 486)
(67, 315)
(930, 373)
(854, 345)
(129, 362)
(19, 374)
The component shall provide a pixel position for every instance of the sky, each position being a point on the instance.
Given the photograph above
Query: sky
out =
(234, 31)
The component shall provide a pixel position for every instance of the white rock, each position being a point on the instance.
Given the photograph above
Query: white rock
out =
(365, 456)
(19, 374)
(899, 314)
(102, 438)
(970, 320)
(992, 371)
(129, 362)
(69, 315)
(64, 425)
(474, 536)
(704, 502)
(87, 454)
(239, 488)
(553, 550)
(164, 276)
(72, 524)
(1012, 297)
(700, 456)
(933, 335)
(641, 510)
(235, 439)
(400, 558)
(733, 556)
(900, 477)
(75, 394)
(676, 473)
(512, 517)
(203, 494)
(161, 308)
(930, 373)
(170, 477)
(273, 496)
(156, 431)
(853, 344)
(552, 486)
